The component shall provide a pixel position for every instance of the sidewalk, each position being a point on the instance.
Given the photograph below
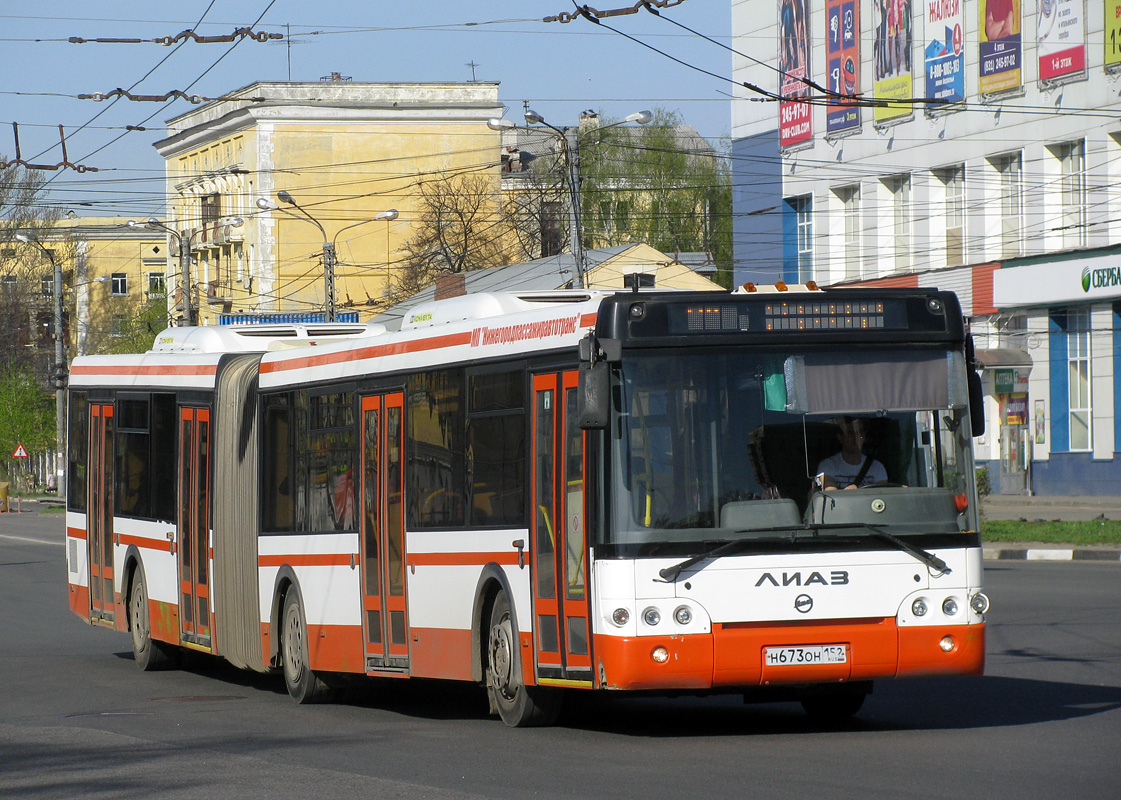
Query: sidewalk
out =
(1064, 508)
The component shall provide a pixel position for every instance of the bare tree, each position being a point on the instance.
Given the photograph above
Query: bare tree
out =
(461, 228)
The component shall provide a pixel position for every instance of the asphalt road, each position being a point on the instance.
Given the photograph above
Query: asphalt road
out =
(77, 718)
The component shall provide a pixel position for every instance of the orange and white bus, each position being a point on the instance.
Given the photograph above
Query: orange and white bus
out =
(544, 493)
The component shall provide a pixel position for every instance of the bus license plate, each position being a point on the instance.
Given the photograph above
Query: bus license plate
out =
(808, 654)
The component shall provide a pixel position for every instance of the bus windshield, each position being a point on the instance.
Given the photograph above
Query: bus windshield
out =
(719, 444)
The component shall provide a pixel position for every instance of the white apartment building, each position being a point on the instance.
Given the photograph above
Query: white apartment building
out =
(1005, 192)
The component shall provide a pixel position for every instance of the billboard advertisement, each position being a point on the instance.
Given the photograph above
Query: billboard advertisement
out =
(1112, 35)
(795, 118)
(891, 43)
(1001, 46)
(1061, 39)
(945, 51)
(842, 54)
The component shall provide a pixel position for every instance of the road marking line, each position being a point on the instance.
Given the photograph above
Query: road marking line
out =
(32, 541)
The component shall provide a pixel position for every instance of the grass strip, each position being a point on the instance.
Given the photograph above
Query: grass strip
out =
(1090, 532)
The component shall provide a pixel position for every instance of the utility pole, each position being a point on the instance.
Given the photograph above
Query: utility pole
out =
(329, 278)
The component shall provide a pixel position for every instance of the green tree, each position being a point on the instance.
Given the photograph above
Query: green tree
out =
(660, 183)
(26, 417)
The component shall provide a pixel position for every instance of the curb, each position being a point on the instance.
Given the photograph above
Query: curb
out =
(1051, 554)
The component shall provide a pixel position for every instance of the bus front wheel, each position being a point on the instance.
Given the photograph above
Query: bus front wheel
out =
(303, 684)
(518, 705)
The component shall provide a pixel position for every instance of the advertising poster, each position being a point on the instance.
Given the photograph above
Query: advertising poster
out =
(1112, 35)
(945, 51)
(1061, 39)
(795, 118)
(891, 43)
(1001, 46)
(842, 53)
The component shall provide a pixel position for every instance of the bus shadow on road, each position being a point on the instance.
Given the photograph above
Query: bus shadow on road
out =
(920, 704)
(953, 703)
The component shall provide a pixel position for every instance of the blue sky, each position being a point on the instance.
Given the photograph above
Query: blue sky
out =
(560, 69)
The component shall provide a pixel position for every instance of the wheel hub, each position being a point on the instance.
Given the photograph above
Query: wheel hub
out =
(501, 657)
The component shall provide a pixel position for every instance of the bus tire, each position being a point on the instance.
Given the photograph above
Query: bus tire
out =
(148, 653)
(518, 705)
(833, 707)
(303, 684)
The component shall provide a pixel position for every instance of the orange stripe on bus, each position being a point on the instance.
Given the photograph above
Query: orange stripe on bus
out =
(143, 541)
(308, 560)
(460, 559)
(155, 369)
(76, 533)
(377, 351)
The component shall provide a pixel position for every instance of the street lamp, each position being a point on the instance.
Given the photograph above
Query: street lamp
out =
(569, 138)
(60, 366)
(184, 240)
(265, 204)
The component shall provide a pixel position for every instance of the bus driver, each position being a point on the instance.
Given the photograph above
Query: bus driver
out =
(850, 468)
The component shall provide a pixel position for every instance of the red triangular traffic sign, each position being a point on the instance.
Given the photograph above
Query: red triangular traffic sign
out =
(20, 452)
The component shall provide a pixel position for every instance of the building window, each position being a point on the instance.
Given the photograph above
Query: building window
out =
(899, 186)
(803, 208)
(46, 286)
(850, 204)
(1072, 160)
(157, 284)
(953, 182)
(211, 209)
(1010, 169)
(1078, 378)
(119, 284)
(550, 229)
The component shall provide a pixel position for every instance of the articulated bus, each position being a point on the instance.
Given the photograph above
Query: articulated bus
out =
(544, 493)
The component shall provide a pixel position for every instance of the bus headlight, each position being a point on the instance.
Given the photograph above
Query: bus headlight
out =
(979, 603)
(620, 617)
(918, 608)
(652, 616)
(683, 615)
(660, 655)
(950, 607)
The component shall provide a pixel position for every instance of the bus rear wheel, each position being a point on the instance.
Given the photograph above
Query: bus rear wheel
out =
(149, 653)
(518, 705)
(303, 684)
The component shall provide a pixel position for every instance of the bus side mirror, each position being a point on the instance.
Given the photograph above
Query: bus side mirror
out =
(976, 404)
(593, 397)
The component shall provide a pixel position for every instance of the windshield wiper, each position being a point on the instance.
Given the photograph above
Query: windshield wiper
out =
(670, 573)
(926, 557)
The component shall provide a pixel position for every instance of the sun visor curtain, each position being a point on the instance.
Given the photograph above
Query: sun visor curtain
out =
(832, 383)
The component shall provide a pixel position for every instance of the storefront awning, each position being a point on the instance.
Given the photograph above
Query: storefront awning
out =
(1003, 358)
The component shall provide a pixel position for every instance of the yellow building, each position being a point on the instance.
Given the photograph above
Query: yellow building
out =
(344, 153)
(110, 273)
(117, 272)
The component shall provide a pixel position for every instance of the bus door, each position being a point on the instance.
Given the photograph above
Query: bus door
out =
(194, 526)
(99, 512)
(382, 543)
(560, 599)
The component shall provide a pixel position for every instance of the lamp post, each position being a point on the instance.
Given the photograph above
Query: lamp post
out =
(184, 240)
(570, 142)
(329, 301)
(60, 366)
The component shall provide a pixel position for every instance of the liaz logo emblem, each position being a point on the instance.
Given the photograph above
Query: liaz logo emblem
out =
(837, 577)
(803, 604)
